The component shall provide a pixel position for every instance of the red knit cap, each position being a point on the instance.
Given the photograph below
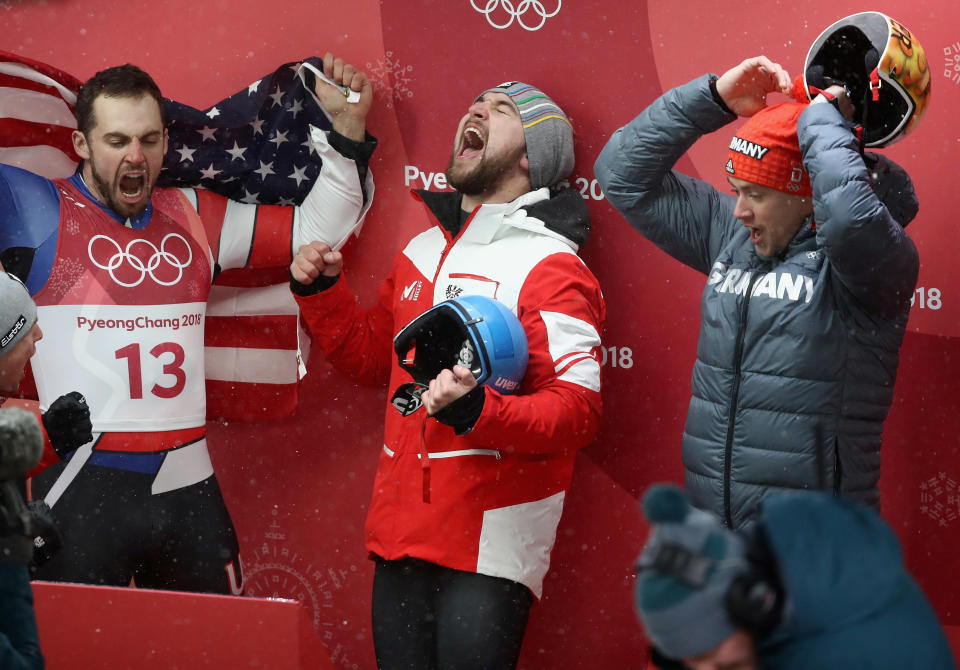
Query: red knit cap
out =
(766, 151)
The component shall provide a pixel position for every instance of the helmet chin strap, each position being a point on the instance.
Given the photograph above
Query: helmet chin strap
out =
(871, 60)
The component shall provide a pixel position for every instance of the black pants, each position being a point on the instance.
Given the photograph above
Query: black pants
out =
(114, 529)
(428, 617)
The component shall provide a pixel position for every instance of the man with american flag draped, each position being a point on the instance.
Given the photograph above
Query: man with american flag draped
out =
(121, 270)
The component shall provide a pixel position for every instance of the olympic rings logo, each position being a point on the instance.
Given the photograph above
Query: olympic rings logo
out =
(123, 256)
(518, 12)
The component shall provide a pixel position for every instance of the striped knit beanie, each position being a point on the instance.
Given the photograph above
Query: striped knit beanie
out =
(547, 131)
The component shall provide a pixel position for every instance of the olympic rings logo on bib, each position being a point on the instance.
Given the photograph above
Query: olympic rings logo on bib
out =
(517, 12)
(160, 266)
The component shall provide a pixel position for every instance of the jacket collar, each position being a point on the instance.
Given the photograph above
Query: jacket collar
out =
(564, 216)
(805, 240)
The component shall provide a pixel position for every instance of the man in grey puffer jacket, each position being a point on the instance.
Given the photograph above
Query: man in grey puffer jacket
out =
(791, 386)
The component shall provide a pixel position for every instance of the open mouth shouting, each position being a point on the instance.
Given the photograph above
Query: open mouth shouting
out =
(132, 186)
(471, 144)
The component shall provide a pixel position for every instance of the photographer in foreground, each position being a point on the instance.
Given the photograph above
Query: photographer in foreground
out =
(816, 582)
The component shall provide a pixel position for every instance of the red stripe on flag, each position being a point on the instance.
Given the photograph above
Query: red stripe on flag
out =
(273, 249)
(67, 80)
(24, 84)
(252, 332)
(249, 277)
(211, 208)
(249, 402)
(20, 133)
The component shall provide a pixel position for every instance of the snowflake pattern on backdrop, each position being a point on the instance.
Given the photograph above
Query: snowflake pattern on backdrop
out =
(67, 274)
(390, 79)
(951, 62)
(278, 570)
(940, 499)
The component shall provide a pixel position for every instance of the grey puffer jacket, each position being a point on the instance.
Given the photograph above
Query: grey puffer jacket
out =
(790, 387)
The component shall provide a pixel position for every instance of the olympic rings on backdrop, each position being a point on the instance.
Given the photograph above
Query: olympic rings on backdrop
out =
(517, 13)
(161, 255)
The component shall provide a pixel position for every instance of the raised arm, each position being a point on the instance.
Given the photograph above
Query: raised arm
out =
(341, 196)
(250, 235)
(873, 257)
(686, 217)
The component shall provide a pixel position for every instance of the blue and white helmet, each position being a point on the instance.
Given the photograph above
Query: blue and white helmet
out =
(474, 331)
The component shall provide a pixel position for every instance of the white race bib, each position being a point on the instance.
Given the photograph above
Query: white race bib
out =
(140, 367)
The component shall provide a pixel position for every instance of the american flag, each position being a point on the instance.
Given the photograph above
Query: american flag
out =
(251, 147)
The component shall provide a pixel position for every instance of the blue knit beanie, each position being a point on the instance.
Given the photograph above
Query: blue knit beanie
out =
(683, 574)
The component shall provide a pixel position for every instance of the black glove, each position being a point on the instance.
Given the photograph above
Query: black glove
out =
(67, 422)
(463, 412)
(893, 186)
(46, 537)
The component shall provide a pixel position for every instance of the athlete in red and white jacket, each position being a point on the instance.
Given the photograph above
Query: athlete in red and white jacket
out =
(499, 465)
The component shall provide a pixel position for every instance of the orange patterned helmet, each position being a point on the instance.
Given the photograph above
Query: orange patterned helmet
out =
(883, 67)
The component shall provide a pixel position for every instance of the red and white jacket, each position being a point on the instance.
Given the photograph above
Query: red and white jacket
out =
(497, 492)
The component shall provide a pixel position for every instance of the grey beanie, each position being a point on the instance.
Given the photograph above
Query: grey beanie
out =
(18, 312)
(683, 574)
(547, 131)
(21, 442)
(21, 445)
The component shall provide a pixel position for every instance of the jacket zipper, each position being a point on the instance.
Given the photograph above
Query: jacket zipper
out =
(451, 241)
(734, 393)
(837, 468)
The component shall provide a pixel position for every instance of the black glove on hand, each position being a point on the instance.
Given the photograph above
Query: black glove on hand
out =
(67, 422)
(463, 412)
(46, 537)
(893, 186)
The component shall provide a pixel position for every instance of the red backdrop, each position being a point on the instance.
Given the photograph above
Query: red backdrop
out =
(298, 488)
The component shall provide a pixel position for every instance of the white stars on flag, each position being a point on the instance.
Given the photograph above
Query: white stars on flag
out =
(265, 170)
(186, 154)
(208, 133)
(299, 174)
(236, 152)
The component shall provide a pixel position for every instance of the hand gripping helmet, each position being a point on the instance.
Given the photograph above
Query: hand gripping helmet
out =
(884, 69)
(474, 331)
